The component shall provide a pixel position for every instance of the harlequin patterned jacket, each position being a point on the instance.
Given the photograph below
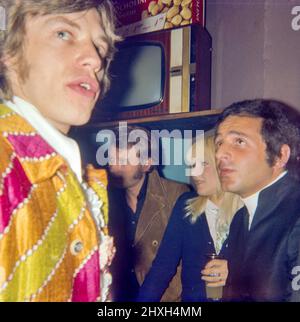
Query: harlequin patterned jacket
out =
(49, 240)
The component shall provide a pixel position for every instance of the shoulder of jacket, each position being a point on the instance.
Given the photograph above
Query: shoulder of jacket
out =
(6, 149)
(175, 192)
(174, 185)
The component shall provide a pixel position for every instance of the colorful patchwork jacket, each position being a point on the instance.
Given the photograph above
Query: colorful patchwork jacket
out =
(49, 241)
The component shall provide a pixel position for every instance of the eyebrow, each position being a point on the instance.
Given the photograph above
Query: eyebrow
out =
(98, 41)
(232, 133)
(60, 19)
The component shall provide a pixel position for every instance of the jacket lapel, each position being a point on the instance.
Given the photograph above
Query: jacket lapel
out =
(38, 159)
(154, 203)
(270, 198)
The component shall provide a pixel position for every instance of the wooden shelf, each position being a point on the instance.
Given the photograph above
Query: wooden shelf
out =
(86, 135)
(202, 120)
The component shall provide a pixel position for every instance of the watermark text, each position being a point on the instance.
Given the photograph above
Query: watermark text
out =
(296, 279)
(138, 146)
(296, 20)
(2, 19)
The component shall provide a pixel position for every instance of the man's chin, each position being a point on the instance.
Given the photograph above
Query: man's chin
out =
(228, 186)
(82, 119)
(116, 182)
(82, 110)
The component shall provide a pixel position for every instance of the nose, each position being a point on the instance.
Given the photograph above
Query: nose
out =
(222, 152)
(90, 58)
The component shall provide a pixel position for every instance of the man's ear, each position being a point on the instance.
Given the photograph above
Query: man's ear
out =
(148, 164)
(282, 160)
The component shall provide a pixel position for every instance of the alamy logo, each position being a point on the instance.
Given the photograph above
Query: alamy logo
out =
(296, 20)
(296, 279)
(2, 19)
(137, 143)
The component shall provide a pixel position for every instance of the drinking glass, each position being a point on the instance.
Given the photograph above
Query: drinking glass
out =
(213, 293)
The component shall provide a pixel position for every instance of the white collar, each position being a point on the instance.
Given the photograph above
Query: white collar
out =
(211, 207)
(252, 201)
(212, 214)
(65, 146)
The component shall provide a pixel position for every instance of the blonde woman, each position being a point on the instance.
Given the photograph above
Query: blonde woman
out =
(199, 225)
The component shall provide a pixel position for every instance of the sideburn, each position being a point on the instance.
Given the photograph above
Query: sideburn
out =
(23, 68)
(138, 175)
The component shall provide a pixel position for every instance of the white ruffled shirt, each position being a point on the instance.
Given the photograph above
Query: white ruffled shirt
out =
(218, 230)
(212, 215)
(65, 146)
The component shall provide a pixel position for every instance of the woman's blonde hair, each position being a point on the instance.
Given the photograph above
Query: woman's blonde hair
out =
(12, 38)
(230, 202)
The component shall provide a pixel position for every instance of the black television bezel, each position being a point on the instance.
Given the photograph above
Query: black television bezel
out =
(199, 86)
(163, 74)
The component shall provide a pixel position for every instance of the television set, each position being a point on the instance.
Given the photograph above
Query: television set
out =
(167, 71)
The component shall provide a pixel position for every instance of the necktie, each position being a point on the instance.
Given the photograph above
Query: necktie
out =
(246, 223)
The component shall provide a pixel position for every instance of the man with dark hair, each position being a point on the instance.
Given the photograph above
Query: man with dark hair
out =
(54, 56)
(140, 203)
(257, 153)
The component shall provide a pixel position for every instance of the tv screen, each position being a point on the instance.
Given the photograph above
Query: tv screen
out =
(137, 75)
(158, 73)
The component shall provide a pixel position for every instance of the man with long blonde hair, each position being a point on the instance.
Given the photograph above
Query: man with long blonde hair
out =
(54, 57)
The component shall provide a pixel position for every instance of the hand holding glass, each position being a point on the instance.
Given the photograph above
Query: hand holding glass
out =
(215, 293)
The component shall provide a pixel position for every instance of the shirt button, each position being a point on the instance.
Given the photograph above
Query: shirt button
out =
(76, 247)
(155, 243)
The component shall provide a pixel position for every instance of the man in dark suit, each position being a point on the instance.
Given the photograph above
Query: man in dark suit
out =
(257, 153)
(141, 202)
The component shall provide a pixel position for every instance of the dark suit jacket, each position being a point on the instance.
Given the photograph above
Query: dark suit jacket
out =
(260, 261)
(160, 199)
(186, 241)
